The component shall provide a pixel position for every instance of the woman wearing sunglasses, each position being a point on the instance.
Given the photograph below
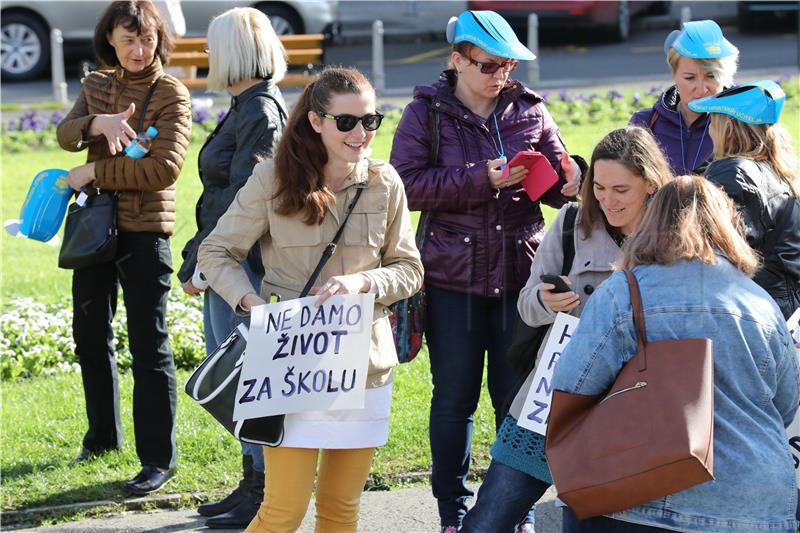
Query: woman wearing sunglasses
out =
(483, 229)
(292, 206)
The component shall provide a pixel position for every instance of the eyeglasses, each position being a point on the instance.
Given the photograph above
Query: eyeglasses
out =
(370, 122)
(490, 67)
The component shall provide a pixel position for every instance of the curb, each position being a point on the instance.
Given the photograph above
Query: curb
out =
(34, 515)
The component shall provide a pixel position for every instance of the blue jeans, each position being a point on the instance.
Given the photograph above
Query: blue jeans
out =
(504, 499)
(603, 524)
(460, 330)
(218, 321)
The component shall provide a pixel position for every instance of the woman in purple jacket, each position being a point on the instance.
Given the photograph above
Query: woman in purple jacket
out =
(702, 62)
(482, 232)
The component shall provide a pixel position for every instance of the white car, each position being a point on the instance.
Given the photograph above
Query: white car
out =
(25, 25)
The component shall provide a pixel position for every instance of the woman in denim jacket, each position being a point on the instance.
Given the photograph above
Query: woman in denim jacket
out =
(627, 168)
(694, 266)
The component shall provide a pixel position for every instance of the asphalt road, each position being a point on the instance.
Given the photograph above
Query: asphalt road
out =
(566, 58)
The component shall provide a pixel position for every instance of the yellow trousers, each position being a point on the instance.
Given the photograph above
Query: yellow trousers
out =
(290, 478)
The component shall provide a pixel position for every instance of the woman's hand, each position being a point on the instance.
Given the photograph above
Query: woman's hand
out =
(349, 284)
(573, 174)
(115, 128)
(80, 176)
(560, 302)
(190, 289)
(496, 179)
(250, 300)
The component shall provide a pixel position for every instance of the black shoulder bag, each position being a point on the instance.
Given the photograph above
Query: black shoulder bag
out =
(213, 384)
(525, 340)
(90, 233)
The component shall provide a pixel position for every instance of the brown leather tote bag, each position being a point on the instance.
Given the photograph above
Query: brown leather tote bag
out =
(650, 435)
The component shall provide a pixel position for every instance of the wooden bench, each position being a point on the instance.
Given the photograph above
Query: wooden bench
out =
(303, 51)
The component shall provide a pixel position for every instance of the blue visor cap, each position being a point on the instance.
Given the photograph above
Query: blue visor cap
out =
(489, 31)
(44, 208)
(700, 39)
(759, 102)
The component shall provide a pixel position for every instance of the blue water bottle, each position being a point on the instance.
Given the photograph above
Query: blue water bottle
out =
(141, 144)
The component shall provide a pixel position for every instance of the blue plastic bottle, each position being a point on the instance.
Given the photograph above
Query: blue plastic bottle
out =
(141, 144)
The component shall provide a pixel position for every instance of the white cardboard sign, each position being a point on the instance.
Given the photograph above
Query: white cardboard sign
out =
(536, 409)
(305, 358)
(794, 428)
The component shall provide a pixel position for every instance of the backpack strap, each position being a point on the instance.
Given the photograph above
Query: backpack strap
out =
(568, 237)
(433, 157)
(653, 120)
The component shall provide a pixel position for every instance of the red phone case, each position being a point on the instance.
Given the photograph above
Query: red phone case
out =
(541, 175)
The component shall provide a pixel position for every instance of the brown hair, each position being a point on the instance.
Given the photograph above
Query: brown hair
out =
(635, 149)
(689, 218)
(464, 48)
(133, 15)
(301, 156)
(759, 142)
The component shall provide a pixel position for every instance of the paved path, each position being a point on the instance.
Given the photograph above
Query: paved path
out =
(411, 510)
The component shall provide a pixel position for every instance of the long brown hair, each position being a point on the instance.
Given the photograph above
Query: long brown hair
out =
(759, 142)
(635, 149)
(689, 218)
(133, 15)
(301, 156)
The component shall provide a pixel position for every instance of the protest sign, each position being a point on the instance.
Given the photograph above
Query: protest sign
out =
(305, 358)
(794, 326)
(536, 409)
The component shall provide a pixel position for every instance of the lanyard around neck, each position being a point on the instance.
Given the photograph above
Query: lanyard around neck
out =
(699, 148)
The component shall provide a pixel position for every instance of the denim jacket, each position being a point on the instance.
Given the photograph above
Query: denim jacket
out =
(756, 394)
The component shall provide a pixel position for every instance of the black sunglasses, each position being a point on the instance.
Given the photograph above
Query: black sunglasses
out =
(490, 67)
(370, 122)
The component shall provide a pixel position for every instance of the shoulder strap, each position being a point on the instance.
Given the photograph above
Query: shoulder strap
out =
(568, 237)
(653, 120)
(281, 112)
(638, 314)
(433, 120)
(146, 103)
(331, 246)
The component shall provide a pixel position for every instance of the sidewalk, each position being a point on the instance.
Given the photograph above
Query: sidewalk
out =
(411, 510)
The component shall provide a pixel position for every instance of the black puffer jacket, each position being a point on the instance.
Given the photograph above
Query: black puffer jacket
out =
(248, 133)
(771, 216)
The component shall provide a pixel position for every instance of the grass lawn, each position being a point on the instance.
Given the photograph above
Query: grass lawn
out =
(43, 419)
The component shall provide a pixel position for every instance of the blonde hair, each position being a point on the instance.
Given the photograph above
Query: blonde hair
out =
(689, 218)
(635, 149)
(759, 142)
(723, 68)
(243, 46)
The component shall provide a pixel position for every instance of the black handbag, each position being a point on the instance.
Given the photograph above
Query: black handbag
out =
(90, 232)
(213, 384)
(525, 340)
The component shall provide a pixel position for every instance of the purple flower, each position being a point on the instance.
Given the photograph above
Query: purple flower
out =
(56, 118)
(636, 98)
(12, 126)
(546, 96)
(655, 89)
(615, 95)
(564, 95)
(201, 115)
(221, 114)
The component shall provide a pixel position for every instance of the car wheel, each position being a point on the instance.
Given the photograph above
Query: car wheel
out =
(284, 19)
(24, 47)
(621, 29)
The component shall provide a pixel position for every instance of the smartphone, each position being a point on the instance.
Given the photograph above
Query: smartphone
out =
(558, 281)
(541, 175)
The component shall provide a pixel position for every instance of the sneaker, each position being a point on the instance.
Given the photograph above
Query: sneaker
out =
(525, 527)
(449, 529)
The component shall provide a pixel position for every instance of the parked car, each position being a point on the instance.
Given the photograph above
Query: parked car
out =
(25, 26)
(776, 14)
(610, 17)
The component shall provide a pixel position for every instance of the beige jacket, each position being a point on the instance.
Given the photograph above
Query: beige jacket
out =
(378, 240)
(146, 186)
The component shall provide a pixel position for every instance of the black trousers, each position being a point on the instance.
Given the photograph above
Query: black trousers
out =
(142, 267)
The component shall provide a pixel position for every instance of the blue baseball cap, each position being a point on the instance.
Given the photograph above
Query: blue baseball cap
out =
(489, 31)
(759, 102)
(45, 205)
(700, 39)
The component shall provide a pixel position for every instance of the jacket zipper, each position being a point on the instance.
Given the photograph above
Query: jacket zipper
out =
(638, 385)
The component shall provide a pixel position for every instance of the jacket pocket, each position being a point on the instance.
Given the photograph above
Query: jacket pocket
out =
(367, 224)
(525, 243)
(449, 255)
(290, 232)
